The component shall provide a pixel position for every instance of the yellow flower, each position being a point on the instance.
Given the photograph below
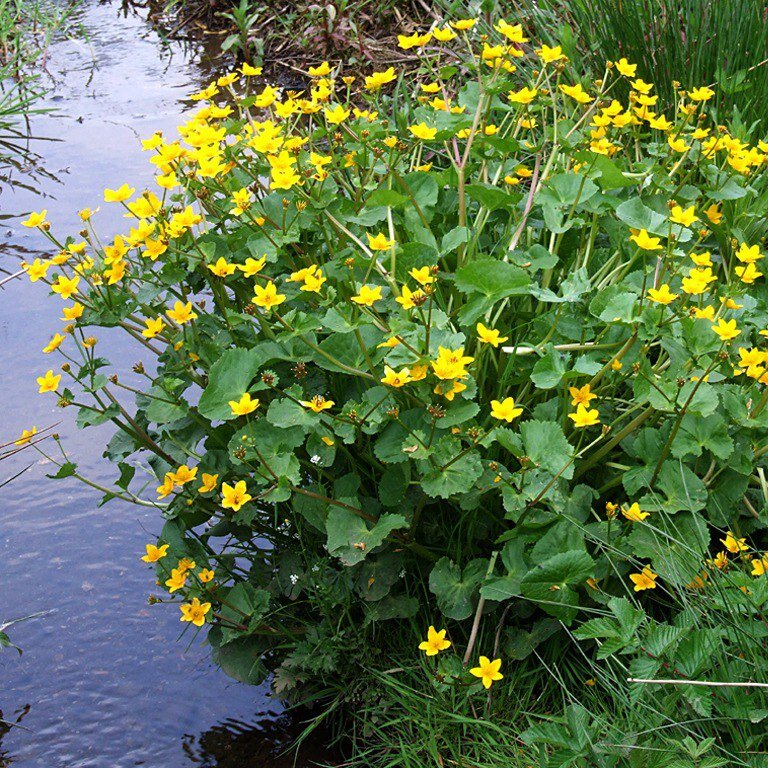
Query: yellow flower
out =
(435, 642)
(760, 565)
(26, 436)
(726, 329)
(367, 296)
(166, 489)
(523, 96)
(662, 294)
(703, 259)
(320, 71)
(118, 195)
(396, 379)
(513, 32)
(641, 86)
(177, 580)
(422, 275)
(49, 382)
(576, 92)
(634, 513)
(701, 94)
(54, 343)
(444, 35)
(209, 483)
(625, 68)
(252, 266)
(66, 287)
(409, 299)
(36, 270)
(643, 240)
(206, 575)
(155, 553)
(423, 131)
(748, 254)
(336, 114)
(734, 545)
(463, 25)
(581, 396)
(505, 410)
(154, 326)
(235, 496)
(490, 335)
(415, 40)
(450, 364)
(378, 79)
(677, 144)
(714, 214)
(646, 579)
(35, 219)
(548, 55)
(748, 274)
(318, 404)
(488, 671)
(194, 612)
(584, 417)
(182, 313)
(183, 475)
(244, 405)
(267, 296)
(379, 242)
(222, 268)
(685, 217)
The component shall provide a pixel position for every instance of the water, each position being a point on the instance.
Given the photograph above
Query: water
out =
(103, 680)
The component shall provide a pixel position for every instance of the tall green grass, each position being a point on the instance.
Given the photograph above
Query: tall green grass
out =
(722, 43)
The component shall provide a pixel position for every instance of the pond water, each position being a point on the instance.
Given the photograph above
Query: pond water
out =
(104, 680)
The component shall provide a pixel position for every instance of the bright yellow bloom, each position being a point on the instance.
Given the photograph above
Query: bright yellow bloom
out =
(222, 268)
(748, 274)
(734, 545)
(406, 42)
(318, 404)
(408, 299)
(235, 496)
(423, 131)
(576, 92)
(337, 114)
(677, 144)
(66, 287)
(49, 382)
(444, 35)
(450, 364)
(183, 475)
(422, 275)
(154, 326)
(118, 195)
(320, 71)
(26, 436)
(155, 553)
(748, 254)
(36, 270)
(267, 296)
(634, 513)
(252, 266)
(685, 217)
(435, 642)
(378, 79)
(194, 612)
(505, 410)
(209, 483)
(55, 342)
(488, 671)
(177, 580)
(379, 242)
(581, 396)
(367, 296)
(548, 55)
(643, 240)
(244, 405)
(490, 335)
(701, 94)
(182, 313)
(726, 329)
(513, 32)
(646, 579)
(35, 219)
(662, 294)
(583, 417)
(714, 214)
(625, 68)
(206, 575)
(523, 96)
(463, 25)
(393, 378)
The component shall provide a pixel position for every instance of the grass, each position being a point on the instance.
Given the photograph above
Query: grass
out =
(720, 43)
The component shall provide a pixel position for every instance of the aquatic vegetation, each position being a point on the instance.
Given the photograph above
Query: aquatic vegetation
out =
(451, 372)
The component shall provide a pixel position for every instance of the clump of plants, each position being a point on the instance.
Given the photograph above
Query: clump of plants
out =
(454, 383)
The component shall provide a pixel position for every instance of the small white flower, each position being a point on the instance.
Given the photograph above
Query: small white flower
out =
(315, 459)
(294, 578)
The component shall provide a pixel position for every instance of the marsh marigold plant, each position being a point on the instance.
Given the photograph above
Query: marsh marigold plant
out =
(479, 347)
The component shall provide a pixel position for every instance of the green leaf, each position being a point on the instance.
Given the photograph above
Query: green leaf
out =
(546, 446)
(349, 537)
(491, 197)
(549, 370)
(458, 477)
(551, 583)
(492, 278)
(231, 375)
(637, 215)
(699, 433)
(456, 590)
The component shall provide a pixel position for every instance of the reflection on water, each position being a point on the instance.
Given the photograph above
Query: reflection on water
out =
(104, 680)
